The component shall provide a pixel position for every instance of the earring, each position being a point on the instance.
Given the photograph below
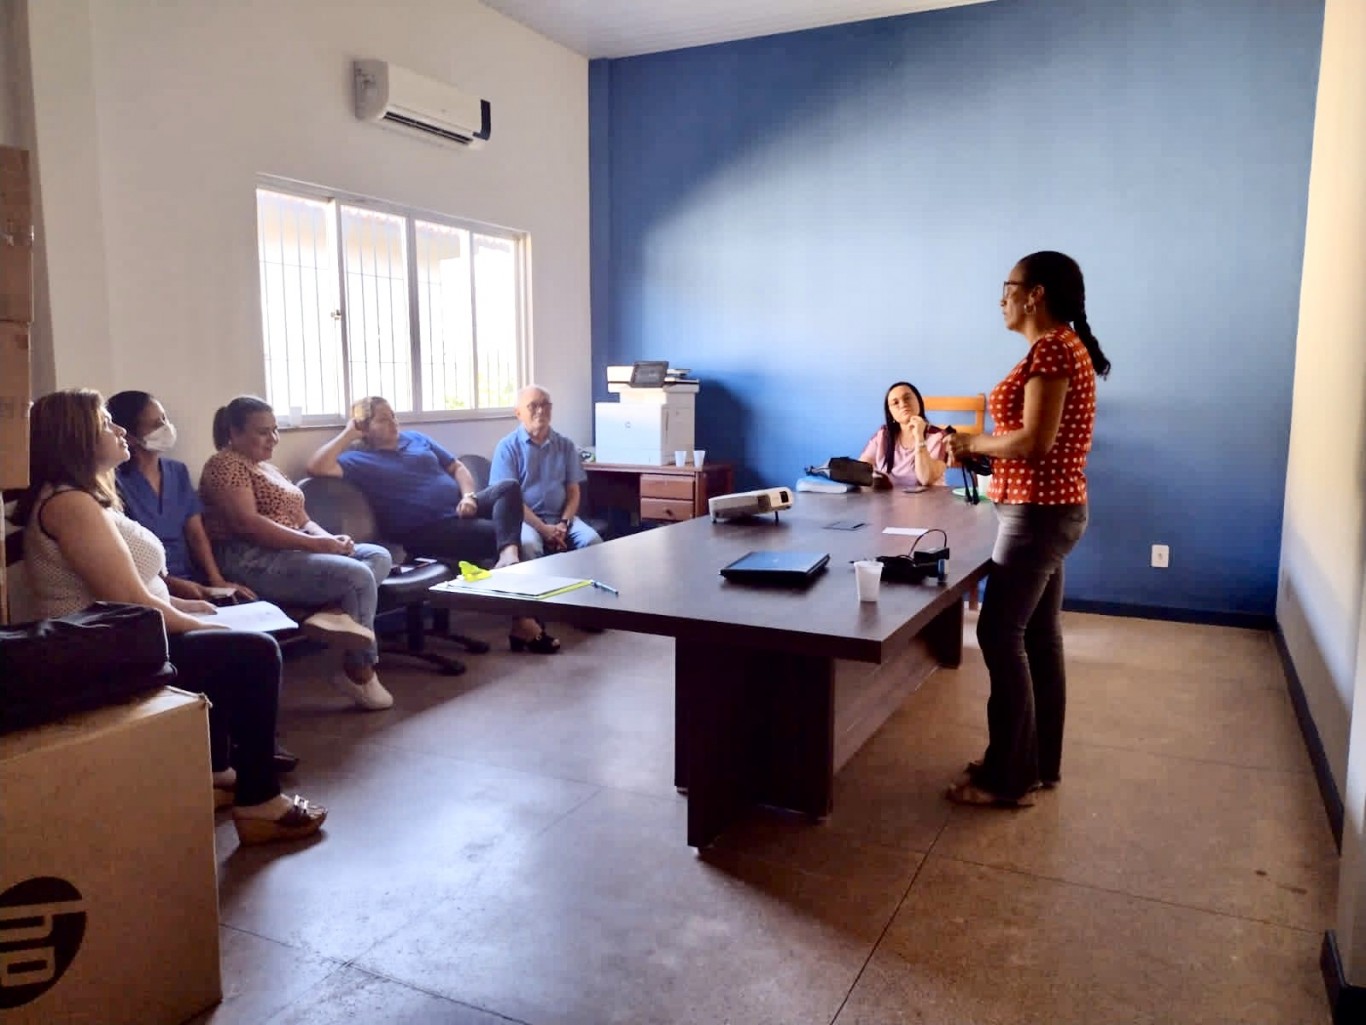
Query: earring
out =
(1029, 309)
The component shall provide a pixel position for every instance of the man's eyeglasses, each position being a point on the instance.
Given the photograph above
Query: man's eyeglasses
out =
(537, 407)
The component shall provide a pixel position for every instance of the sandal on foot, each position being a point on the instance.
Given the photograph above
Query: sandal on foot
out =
(969, 775)
(541, 644)
(972, 794)
(299, 820)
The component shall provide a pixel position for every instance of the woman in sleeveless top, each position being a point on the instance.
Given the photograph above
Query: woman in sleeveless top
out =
(79, 548)
(1044, 412)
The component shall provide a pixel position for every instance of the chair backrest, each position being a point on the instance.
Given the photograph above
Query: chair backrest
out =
(339, 507)
(479, 469)
(974, 404)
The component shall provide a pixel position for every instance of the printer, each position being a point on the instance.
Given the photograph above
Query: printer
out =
(653, 417)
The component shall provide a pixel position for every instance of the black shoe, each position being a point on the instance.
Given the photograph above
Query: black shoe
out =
(285, 761)
(542, 645)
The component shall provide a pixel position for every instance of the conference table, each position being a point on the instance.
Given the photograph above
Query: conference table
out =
(775, 688)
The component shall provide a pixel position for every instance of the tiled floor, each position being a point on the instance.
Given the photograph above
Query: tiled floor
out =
(508, 845)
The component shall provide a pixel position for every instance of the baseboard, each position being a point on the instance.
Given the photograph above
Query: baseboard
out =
(1247, 620)
(1348, 1002)
(1313, 743)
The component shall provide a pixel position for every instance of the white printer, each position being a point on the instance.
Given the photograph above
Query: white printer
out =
(653, 418)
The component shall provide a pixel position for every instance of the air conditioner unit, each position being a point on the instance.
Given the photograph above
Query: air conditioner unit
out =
(393, 95)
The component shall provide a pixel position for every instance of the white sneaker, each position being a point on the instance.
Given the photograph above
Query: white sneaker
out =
(369, 695)
(334, 627)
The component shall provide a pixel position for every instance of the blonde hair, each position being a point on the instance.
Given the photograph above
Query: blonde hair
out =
(64, 437)
(364, 410)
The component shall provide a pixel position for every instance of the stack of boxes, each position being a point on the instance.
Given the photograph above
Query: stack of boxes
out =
(108, 888)
(16, 314)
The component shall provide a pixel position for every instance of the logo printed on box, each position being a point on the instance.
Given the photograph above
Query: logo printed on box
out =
(42, 923)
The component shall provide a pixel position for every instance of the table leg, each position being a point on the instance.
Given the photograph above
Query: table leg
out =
(944, 635)
(751, 728)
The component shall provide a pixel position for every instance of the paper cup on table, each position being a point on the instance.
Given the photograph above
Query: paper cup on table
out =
(698, 455)
(681, 458)
(868, 578)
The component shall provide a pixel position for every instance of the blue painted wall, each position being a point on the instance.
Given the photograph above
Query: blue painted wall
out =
(804, 218)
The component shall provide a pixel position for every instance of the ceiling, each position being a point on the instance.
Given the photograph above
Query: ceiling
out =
(625, 28)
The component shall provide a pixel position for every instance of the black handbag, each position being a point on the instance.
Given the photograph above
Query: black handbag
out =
(844, 470)
(102, 655)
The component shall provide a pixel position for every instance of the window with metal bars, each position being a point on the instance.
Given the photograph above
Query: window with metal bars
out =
(360, 297)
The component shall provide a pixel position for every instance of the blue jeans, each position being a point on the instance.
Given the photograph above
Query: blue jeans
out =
(1020, 633)
(349, 582)
(581, 535)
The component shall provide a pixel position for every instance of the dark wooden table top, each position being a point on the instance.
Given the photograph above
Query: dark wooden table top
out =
(670, 584)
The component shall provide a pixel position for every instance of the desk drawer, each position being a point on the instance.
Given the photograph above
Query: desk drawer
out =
(664, 485)
(665, 509)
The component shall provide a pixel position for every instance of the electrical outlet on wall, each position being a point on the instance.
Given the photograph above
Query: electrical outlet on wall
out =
(1161, 554)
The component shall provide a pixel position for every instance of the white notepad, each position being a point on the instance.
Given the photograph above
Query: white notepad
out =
(256, 616)
(906, 531)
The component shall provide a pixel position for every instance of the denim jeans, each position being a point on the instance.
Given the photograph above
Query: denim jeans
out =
(349, 582)
(1020, 633)
(581, 535)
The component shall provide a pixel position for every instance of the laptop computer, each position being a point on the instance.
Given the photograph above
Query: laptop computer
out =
(789, 569)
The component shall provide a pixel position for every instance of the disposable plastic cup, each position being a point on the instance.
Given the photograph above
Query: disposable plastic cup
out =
(681, 458)
(868, 579)
(698, 455)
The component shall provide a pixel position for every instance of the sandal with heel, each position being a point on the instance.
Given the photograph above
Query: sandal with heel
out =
(542, 644)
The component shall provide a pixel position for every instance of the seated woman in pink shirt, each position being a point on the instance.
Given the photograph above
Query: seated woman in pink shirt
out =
(906, 451)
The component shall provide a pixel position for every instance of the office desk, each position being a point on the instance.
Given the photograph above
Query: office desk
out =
(774, 689)
(666, 493)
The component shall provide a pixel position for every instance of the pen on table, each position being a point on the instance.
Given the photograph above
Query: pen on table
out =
(605, 587)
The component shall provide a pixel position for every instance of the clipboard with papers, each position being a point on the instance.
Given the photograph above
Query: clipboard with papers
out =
(515, 585)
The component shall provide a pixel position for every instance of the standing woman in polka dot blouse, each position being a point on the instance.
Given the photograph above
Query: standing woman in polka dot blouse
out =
(1044, 412)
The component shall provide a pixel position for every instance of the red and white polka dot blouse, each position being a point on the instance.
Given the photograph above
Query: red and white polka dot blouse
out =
(1058, 478)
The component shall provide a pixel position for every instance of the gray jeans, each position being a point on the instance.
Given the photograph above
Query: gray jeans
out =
(350, 582)
(1020, 633)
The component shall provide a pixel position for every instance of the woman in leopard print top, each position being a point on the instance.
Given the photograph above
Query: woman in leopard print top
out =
(263, 537)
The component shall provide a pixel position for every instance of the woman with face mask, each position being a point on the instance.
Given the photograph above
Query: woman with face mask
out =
(157, 493)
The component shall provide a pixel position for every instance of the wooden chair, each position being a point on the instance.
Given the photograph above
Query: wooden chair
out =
(974, 404)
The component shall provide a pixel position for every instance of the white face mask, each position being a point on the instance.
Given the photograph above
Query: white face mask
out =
(160, 440)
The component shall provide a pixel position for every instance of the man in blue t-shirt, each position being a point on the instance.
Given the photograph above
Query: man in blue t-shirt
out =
(424, 498)
(547, 466)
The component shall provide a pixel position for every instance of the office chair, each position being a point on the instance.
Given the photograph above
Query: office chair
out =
(340, 507)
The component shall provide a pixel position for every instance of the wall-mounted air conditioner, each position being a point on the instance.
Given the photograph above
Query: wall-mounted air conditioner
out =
(393, 95)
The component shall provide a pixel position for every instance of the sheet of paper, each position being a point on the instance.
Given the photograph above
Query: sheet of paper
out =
(906, 531)
(257, 616)
(517, 585)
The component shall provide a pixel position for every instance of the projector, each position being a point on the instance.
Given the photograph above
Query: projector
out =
(749, 503)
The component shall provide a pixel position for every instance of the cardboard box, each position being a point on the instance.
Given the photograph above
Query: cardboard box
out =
(108, 889)
(16, 236)
(15, 398)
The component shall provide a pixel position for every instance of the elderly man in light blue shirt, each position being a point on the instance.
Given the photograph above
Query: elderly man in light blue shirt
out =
(547, 466)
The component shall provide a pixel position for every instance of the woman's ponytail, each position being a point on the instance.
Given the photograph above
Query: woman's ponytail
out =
(1088, 339)
(221, 433)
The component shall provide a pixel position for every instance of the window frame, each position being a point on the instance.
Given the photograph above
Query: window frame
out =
(521, 243)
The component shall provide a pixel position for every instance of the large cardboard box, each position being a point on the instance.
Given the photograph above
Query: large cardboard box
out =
(16, 237)
(15, 397)
(108, 893)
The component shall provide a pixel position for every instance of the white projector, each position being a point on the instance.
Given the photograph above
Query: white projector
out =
(749, 503)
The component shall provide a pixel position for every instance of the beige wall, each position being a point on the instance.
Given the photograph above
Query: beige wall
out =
(154, 118)
(1323, 551)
